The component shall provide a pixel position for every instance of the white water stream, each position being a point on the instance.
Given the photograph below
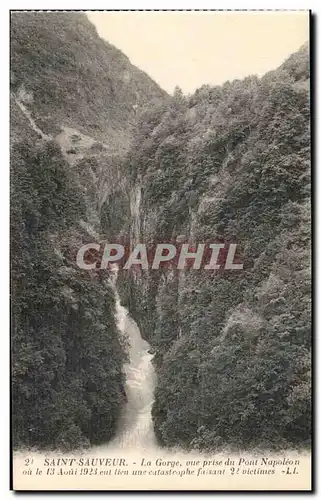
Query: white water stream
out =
(135, 426)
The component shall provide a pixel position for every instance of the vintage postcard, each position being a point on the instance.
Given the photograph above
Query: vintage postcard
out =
(160, 250)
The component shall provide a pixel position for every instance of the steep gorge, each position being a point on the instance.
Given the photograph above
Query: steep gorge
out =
(100, 152)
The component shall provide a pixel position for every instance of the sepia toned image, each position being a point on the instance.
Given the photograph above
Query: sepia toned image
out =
(160, 228)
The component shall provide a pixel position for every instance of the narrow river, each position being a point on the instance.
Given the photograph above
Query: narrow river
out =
(135, 426)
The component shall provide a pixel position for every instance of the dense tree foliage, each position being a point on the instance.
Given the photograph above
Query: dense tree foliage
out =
(67, 356)
(74, 99)
(232, 164)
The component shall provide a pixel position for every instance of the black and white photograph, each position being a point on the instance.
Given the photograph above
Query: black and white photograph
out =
(160, 250)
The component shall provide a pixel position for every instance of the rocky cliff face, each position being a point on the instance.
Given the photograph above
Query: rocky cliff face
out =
(230, 163)
(74, 99)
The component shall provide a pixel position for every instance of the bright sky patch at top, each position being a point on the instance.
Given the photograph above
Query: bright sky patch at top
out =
(190, 49)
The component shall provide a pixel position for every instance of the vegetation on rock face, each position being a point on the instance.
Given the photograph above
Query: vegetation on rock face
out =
(69, 89)
(230, 163)
(74, 77)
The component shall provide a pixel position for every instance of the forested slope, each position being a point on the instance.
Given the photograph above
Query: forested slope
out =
(73, 104)
(229, 163)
